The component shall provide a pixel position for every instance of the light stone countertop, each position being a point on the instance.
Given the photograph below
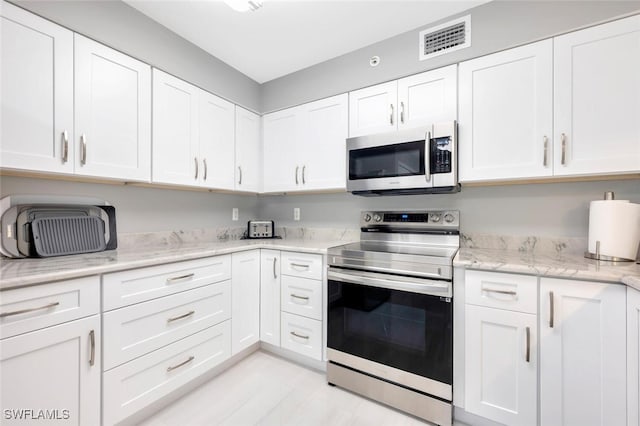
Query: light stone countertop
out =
(16, 273)
(548, 264)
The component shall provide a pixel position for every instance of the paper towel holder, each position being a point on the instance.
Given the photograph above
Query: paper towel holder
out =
(609, 195)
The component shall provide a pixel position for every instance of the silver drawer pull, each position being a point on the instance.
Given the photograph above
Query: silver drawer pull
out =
(299, 297)
(300, 336)
(180, 278)
(191, 358)
(188, 314)
(275, 276)
(24, 311)
(527, 356)
(92, 340)
(65, 147)
(551, 313)
(299, 265)
(509, 292)
(83, 149)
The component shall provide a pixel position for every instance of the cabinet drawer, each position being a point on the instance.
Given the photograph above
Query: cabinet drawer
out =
(136, 330)
(138, 285)
(502, 291)
(32, 308)
(302, 335)
(136, 384)
(302, 297)
(302, 265)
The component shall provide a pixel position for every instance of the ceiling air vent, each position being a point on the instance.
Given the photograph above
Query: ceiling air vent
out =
(445, 38)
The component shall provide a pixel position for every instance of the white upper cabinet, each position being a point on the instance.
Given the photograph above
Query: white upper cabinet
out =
(426, 98)
(36, 124)
(280, 142)
(193, 135)
(505, 111)
(597, 99)
(322, 158)
(418, 100)
(248, 171)
(175, 130)
(216, 133)
(112, 113)
(373, 109)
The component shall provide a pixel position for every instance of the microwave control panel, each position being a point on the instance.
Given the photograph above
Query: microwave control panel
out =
(441, 155)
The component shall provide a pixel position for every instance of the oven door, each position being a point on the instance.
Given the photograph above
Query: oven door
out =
(398, 328)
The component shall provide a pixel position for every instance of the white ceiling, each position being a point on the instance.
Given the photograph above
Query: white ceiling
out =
(286, 36)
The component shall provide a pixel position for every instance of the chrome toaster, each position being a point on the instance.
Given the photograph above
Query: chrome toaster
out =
(260, 229)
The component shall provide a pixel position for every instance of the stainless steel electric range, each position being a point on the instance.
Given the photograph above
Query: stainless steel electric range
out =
(390, 311)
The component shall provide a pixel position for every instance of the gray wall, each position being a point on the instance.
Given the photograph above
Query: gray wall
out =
(143, 209)
(495, 26)
(548, 210)
(122, 27)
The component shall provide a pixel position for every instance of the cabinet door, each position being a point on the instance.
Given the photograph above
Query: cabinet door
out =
(373, 109)
(112, 113)
(597, 99)
(633, 356)
(501, 381)
(216, 133)
(52, 369)
(280, 139)
(582, 353)
(245, 300)
(505, 111)
(427, 98)
(36, 124)
(248, 172)
(323, 143)
(175, 130)
(270, 296)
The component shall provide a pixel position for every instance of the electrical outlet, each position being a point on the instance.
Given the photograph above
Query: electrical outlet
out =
(296, 213)
(234, 214)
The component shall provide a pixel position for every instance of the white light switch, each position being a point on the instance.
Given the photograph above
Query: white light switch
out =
(296, 213)
(234, 214)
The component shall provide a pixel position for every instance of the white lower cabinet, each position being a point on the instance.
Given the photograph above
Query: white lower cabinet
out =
(583, 374)
(501, 347)
(270, 297)
(245, 299)
(52, 374)
(633, 357)
(302, 335)
(136, 384)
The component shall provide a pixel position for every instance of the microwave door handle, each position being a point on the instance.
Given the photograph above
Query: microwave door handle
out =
(427, 157)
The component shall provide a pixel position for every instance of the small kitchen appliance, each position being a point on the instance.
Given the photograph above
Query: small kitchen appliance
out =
(260, 229)
(390, 311)
(44, 226)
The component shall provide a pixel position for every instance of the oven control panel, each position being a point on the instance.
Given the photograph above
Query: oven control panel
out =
(445, 219)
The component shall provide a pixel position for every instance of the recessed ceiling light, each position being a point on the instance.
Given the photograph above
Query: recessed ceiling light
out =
(244, 5)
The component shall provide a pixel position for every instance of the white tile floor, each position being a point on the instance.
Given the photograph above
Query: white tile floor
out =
(264, 389)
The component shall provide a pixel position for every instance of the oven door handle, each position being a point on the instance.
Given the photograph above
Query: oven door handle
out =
(413, 285)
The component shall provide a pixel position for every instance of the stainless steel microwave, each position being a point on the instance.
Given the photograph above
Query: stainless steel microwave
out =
(423, 160)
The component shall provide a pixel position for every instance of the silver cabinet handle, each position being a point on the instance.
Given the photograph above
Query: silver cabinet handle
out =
(527, 355)
(65, 147)
(188, 314)
(275, 259)
(402, 112)
(204, 162)
(195, 160)
(509, 292)
(546, 149)
(293, 333)
(83, 149)
(191, 358)
(427, 157)
(303, 179)
(551, 313)
(563, 159)
(24, 311)
(297, 167)
(239, 175)
(391, 115)
(299, 265)
(92, 341)
(180, 278)
(299, 297)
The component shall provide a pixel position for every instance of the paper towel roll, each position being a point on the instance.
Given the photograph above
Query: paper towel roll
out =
(616, 224)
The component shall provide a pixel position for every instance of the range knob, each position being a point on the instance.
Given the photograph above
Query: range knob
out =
(377, 218)
(435, 218)
(367, 217)
(449, 218)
